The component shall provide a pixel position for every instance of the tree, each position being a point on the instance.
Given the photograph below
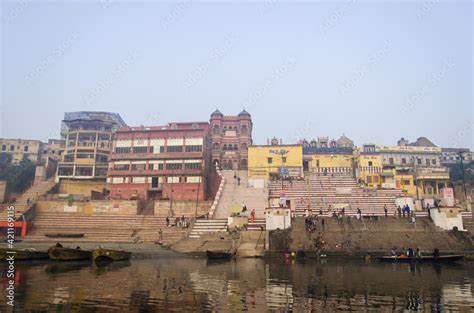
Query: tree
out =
(5, 160)
(19, 176)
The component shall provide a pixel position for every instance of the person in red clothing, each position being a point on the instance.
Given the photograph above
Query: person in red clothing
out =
(252, 215)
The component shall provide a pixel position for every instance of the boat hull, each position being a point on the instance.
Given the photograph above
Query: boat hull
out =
(427, 259)
(23, 254)
(64, 235)
(106, 255)
(218, 255)
(67, 254)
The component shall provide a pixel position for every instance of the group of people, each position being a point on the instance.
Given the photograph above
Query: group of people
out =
(178, 222)
(237, 179)
(410, 253)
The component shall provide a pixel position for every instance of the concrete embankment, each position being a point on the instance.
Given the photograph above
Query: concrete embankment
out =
(351, 237)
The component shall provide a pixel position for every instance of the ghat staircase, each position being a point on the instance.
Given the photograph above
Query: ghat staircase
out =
(34, 192)
(233, 194)
(104, 228)
(324, 192)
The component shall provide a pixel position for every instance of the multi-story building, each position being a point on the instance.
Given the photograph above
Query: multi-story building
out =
(368, 165)
(231, 136)
(88, 138)
(274, 161)
(453, 155)
(18, 148)
(416, 169)
(161, 162)
(53, 149)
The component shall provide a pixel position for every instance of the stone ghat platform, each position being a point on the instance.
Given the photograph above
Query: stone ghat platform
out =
(371, 235)
(104, 228)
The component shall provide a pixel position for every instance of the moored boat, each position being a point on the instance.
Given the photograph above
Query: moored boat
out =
(219, 255)
(440, 259)
(68, 254)
(59, 235)
(24, 254)
(101, 254)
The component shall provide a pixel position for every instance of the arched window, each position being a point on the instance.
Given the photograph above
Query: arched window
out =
(216, 145)
(4, 147)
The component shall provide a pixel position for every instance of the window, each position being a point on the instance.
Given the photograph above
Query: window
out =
(376, 179)
(192, 166)
(4, 147)
(433, 161)
(236, 147)
(174, 149)
(369, 179)
(419, 161)
(406, 182)
(121, 167)
(162, 149)
(427, 161)
(370, 163)
(283, 159)
(140, 149)
(404, 161)
(122, 150)
(390, 161)
(225, 147)
(174, 166)
(138, 167)
(270, 160)
(193, 148)
(12, 147)
(25, 148)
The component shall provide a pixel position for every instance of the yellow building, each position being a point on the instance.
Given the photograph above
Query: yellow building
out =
(369, 166)
(328, 159)
(265, 162)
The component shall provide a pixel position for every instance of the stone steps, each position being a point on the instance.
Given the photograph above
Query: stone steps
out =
(204, 226)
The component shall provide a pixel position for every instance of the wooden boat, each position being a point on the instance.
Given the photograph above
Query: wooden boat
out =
(219, 255)
(439, 259)
(25, 254)
(64, 235)
(68, 254)
(100, 254)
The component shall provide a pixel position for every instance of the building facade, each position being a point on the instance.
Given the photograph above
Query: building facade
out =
(368, 166)
(275, 161)
(231, 136)
(88, 142)
(453, 155)
(161, 162)
(416, 169)
(18, 148)
(328, 160)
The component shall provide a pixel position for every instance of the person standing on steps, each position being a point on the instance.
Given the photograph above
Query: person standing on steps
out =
(385, 210)
(238, 180)
(167, 221)
(244, 207)
(252, 215)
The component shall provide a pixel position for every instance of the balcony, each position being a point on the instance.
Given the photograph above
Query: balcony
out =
(432, 173)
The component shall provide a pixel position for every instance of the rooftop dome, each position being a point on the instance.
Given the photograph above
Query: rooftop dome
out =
(217, 113)
(244, 113)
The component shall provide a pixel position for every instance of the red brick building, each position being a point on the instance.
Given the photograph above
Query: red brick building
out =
(161, 162)
(231, 136)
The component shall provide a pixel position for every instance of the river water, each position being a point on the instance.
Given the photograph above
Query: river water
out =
(182, 284)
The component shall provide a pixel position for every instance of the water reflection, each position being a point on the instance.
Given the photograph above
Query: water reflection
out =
(184, 284)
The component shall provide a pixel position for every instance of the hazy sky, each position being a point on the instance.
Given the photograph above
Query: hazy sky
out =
(374, 71)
